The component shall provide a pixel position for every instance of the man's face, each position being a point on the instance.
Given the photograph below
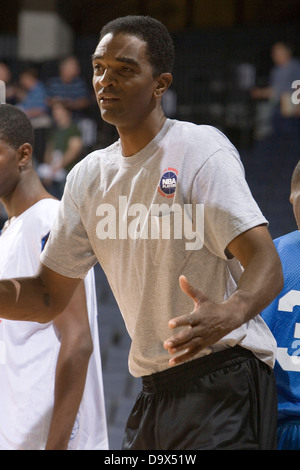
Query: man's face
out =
(123, 80)
(9, 169)
(295, 200)
(280, 54)
(69, 69)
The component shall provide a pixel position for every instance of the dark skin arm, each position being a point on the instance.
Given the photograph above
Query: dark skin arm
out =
(50, 296)
(73, 330)
(260, 283)
(40, 298)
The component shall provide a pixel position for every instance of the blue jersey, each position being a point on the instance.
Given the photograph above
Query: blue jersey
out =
(283, 318)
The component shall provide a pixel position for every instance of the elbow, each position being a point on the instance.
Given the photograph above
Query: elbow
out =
(88, 349)
(49, 314)
(84, 347)
(82, 354)
(76, 351)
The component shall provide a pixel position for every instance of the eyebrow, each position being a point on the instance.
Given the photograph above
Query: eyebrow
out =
(123, 59)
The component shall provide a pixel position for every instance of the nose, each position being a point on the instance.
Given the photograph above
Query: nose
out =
(106, 78)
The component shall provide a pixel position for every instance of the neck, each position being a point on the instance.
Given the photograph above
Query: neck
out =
(133, 140)
(20, 199)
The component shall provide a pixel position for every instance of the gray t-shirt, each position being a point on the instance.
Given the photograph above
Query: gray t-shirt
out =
(168, 210)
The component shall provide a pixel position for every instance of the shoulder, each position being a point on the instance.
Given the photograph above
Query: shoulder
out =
(44, 212)
(288, 248)
(295, 63)
(207, 149)
(36, 222)
(288, 244)
(40, 87)
(197, 129)
(287, 240)
(208, 138)
(91, 166)
(107, 156)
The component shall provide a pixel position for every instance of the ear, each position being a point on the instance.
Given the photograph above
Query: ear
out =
(163, 82)
(24, 155)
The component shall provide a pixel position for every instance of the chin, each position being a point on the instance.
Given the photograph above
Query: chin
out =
(116, 121)
(108, 117)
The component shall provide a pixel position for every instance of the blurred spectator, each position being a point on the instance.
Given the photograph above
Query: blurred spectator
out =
(11, 88)
(285, 71)
(63, 150)
(69, 88)
(169, 103)
(33, 101)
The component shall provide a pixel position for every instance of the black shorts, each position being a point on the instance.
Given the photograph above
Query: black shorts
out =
(226, 400)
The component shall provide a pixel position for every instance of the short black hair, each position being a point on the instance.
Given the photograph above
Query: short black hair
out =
(15, 127)
(159, 41)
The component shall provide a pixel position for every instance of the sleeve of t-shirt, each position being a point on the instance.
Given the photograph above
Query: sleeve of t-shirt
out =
(68, 250)
(229, 207)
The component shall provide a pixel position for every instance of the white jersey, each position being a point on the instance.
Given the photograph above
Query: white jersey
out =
(29, 351)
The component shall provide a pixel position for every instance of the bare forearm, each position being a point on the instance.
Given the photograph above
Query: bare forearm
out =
(259, 284)
(25, 299)
(39, 298)
(69, 386)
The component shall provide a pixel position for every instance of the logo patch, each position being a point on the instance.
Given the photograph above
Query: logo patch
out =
(168, 183)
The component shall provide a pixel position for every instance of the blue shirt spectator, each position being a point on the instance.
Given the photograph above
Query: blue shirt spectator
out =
(69, 88)
(34, 101)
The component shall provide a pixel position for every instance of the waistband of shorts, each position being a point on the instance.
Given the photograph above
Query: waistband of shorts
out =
(186, 372)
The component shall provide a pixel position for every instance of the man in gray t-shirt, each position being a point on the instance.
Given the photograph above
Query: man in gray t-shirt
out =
(167, 212)
(126, 203)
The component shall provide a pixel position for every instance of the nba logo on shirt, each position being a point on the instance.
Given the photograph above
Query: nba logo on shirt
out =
(168, 183)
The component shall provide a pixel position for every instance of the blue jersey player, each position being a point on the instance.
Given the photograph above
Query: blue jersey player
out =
(283, 318)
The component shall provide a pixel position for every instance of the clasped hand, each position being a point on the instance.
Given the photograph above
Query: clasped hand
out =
(205, 325)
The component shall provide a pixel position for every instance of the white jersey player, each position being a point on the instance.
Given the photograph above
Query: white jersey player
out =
(29, 350)
(45, 375)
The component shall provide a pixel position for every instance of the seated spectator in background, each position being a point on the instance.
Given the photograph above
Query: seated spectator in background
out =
(34, 103)
(283, 318)
(69, 88)
(11, 88)
(63, 150)
(169, 103)
(285, 71)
